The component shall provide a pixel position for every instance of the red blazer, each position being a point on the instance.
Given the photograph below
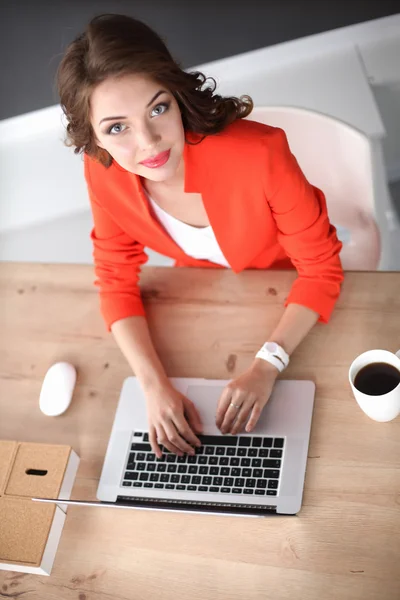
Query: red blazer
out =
(263, 211)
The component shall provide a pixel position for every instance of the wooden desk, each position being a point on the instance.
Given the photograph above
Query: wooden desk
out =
(345, 543)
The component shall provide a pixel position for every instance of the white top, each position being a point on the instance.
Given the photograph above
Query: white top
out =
(197, 242)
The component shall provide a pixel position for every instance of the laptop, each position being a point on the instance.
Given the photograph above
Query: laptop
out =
(251, 474)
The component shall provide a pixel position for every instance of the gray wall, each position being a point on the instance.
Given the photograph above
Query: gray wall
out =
(34, 33)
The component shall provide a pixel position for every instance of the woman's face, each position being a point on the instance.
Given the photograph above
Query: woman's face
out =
(138, 121)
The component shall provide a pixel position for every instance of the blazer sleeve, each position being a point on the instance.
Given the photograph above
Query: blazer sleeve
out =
(117, 259)
(304, 230)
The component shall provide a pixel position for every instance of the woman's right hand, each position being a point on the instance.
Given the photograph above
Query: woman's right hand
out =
(173, 421)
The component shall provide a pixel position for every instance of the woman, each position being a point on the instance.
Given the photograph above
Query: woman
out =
(173, 166)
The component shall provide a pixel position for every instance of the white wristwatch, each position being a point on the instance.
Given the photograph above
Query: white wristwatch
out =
(274, 354)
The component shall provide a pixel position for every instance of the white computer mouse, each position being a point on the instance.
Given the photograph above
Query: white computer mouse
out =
(57, 389)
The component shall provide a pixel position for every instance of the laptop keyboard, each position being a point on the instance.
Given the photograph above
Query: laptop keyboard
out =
(225, 464)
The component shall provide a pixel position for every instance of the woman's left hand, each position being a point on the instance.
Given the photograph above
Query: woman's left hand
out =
(244, 398)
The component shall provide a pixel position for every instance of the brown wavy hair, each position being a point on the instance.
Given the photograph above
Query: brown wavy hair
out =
(117, 45)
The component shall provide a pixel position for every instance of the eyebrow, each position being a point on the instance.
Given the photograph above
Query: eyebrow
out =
(147, 106)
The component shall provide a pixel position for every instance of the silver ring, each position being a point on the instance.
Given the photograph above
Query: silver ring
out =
(235, 406)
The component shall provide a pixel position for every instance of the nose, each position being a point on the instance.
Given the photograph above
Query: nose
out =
(146, 137)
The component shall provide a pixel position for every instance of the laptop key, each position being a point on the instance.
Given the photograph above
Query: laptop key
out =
(252, 452)
(273, 484)
(141, 467)
(214, 471)
(231, 451)
(182, 469)
(228, 481)
(256, 442)
(241, 452)
(181, 487)
(210, 450)
(154, 477)
(151, 467)
(225, 490)
(144, 476)
(244, 441)
(172, 468)
(271, 474)
(202, 488)
(175, 478)
(161, 468)
(202, 460)
(225, 471)
(267, 443)
(263, 452)
(206, 481)
(127, 483)
(261, 483)
(279, 442)
(234, 462)
(250, 483)
(213, 489)
(137, 484)
(275, 453)
(169, 486)
(164, 478)
(131, 475)
(257, 473)
(137, 434)
(193, 469)
(236, 491)
(235, 472)
(260, 492)
(192, 460)
(171, 458)
(248, 491)
(137, 447)
(159, 486)
(239, 482)
(245, 462)
(148, 485)
(224, 460)
(196, 479)
(217, 481)
(192, 488)
(181, 459)
(256, 462)
(203, 470)
(271, 463)
(272, 493)
(220, 440)
(151, 457)
(185, 479)
(246, 473)
(213, 460)
(220, 451)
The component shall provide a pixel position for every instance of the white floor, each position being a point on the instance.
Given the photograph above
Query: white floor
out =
(66, 240)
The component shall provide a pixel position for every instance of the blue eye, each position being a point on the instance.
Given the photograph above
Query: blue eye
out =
(160, 109)
(116, 129)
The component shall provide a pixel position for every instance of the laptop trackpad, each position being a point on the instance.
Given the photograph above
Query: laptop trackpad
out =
(205, 398)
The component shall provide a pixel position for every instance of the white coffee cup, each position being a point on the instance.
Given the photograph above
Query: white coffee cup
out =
(386, 406)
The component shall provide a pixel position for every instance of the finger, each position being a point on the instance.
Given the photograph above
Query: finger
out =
(255, 415)
(223, 404)
(232, 411)
(163, 439)
(153, 442)
(193, 417)
(242, 417)
(175, 439)
(186, 432)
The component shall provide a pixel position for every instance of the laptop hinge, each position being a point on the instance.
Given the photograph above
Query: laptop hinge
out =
(197, 506)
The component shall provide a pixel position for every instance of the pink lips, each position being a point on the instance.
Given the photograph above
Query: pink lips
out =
(157, 161)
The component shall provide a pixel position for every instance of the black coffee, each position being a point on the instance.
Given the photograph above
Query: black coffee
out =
(377, 379)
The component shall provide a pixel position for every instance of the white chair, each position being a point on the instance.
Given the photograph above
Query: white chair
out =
(344, 164)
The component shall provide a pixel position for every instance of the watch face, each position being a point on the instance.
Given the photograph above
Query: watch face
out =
(271, 346)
